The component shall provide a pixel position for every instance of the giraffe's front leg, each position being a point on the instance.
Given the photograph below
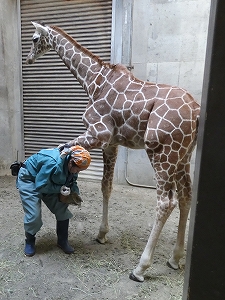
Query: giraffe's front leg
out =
(104, 227)
(109, 158)
(90, 141)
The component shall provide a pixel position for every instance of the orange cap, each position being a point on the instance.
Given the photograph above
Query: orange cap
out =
(80, 156)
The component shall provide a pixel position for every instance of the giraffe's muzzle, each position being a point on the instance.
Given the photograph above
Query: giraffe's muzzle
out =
(29, 60)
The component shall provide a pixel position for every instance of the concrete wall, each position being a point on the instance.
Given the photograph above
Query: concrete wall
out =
(169, 42)
(10, 83)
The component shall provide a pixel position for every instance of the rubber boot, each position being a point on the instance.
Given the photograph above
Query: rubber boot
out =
(62, 233)
(29, 244)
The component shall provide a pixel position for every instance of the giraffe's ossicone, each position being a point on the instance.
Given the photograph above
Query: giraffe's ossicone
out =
(123, 110)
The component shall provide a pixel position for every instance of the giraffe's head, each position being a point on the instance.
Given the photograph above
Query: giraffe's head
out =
(40, 42)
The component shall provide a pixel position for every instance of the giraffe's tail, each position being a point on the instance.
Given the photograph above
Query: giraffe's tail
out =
(196, 131)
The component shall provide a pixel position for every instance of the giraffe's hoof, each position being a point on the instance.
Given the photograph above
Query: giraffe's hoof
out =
(134, 278)
(172, 266)
(101, 241)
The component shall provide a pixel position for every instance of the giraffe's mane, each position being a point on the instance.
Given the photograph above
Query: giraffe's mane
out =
(81, 48)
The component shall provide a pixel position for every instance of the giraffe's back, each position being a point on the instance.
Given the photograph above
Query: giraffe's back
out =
(162, 109)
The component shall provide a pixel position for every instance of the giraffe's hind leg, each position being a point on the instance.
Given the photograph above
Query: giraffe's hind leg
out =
(184, 191)
(166, 201)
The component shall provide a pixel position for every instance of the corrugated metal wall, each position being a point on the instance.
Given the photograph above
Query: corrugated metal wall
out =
(53, 101)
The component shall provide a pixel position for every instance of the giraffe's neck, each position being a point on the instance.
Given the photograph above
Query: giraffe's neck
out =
(84, 65)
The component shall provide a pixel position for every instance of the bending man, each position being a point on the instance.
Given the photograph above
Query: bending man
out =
(43, 177)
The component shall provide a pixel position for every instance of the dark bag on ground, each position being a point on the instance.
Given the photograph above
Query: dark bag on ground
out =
(15, 167)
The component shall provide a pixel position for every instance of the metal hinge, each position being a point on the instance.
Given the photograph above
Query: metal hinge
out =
(130, 68)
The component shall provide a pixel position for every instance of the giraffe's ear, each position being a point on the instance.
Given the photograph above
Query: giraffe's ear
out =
(40, 28)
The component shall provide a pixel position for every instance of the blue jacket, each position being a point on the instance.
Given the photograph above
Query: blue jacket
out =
(50, 171)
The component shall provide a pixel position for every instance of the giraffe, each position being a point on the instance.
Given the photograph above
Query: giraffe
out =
(123, 110)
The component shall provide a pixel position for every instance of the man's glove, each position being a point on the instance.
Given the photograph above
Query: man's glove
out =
(64, 150)
(73, 199)
(62, 146)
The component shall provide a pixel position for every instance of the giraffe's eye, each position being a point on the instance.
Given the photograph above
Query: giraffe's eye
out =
(35, 40)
